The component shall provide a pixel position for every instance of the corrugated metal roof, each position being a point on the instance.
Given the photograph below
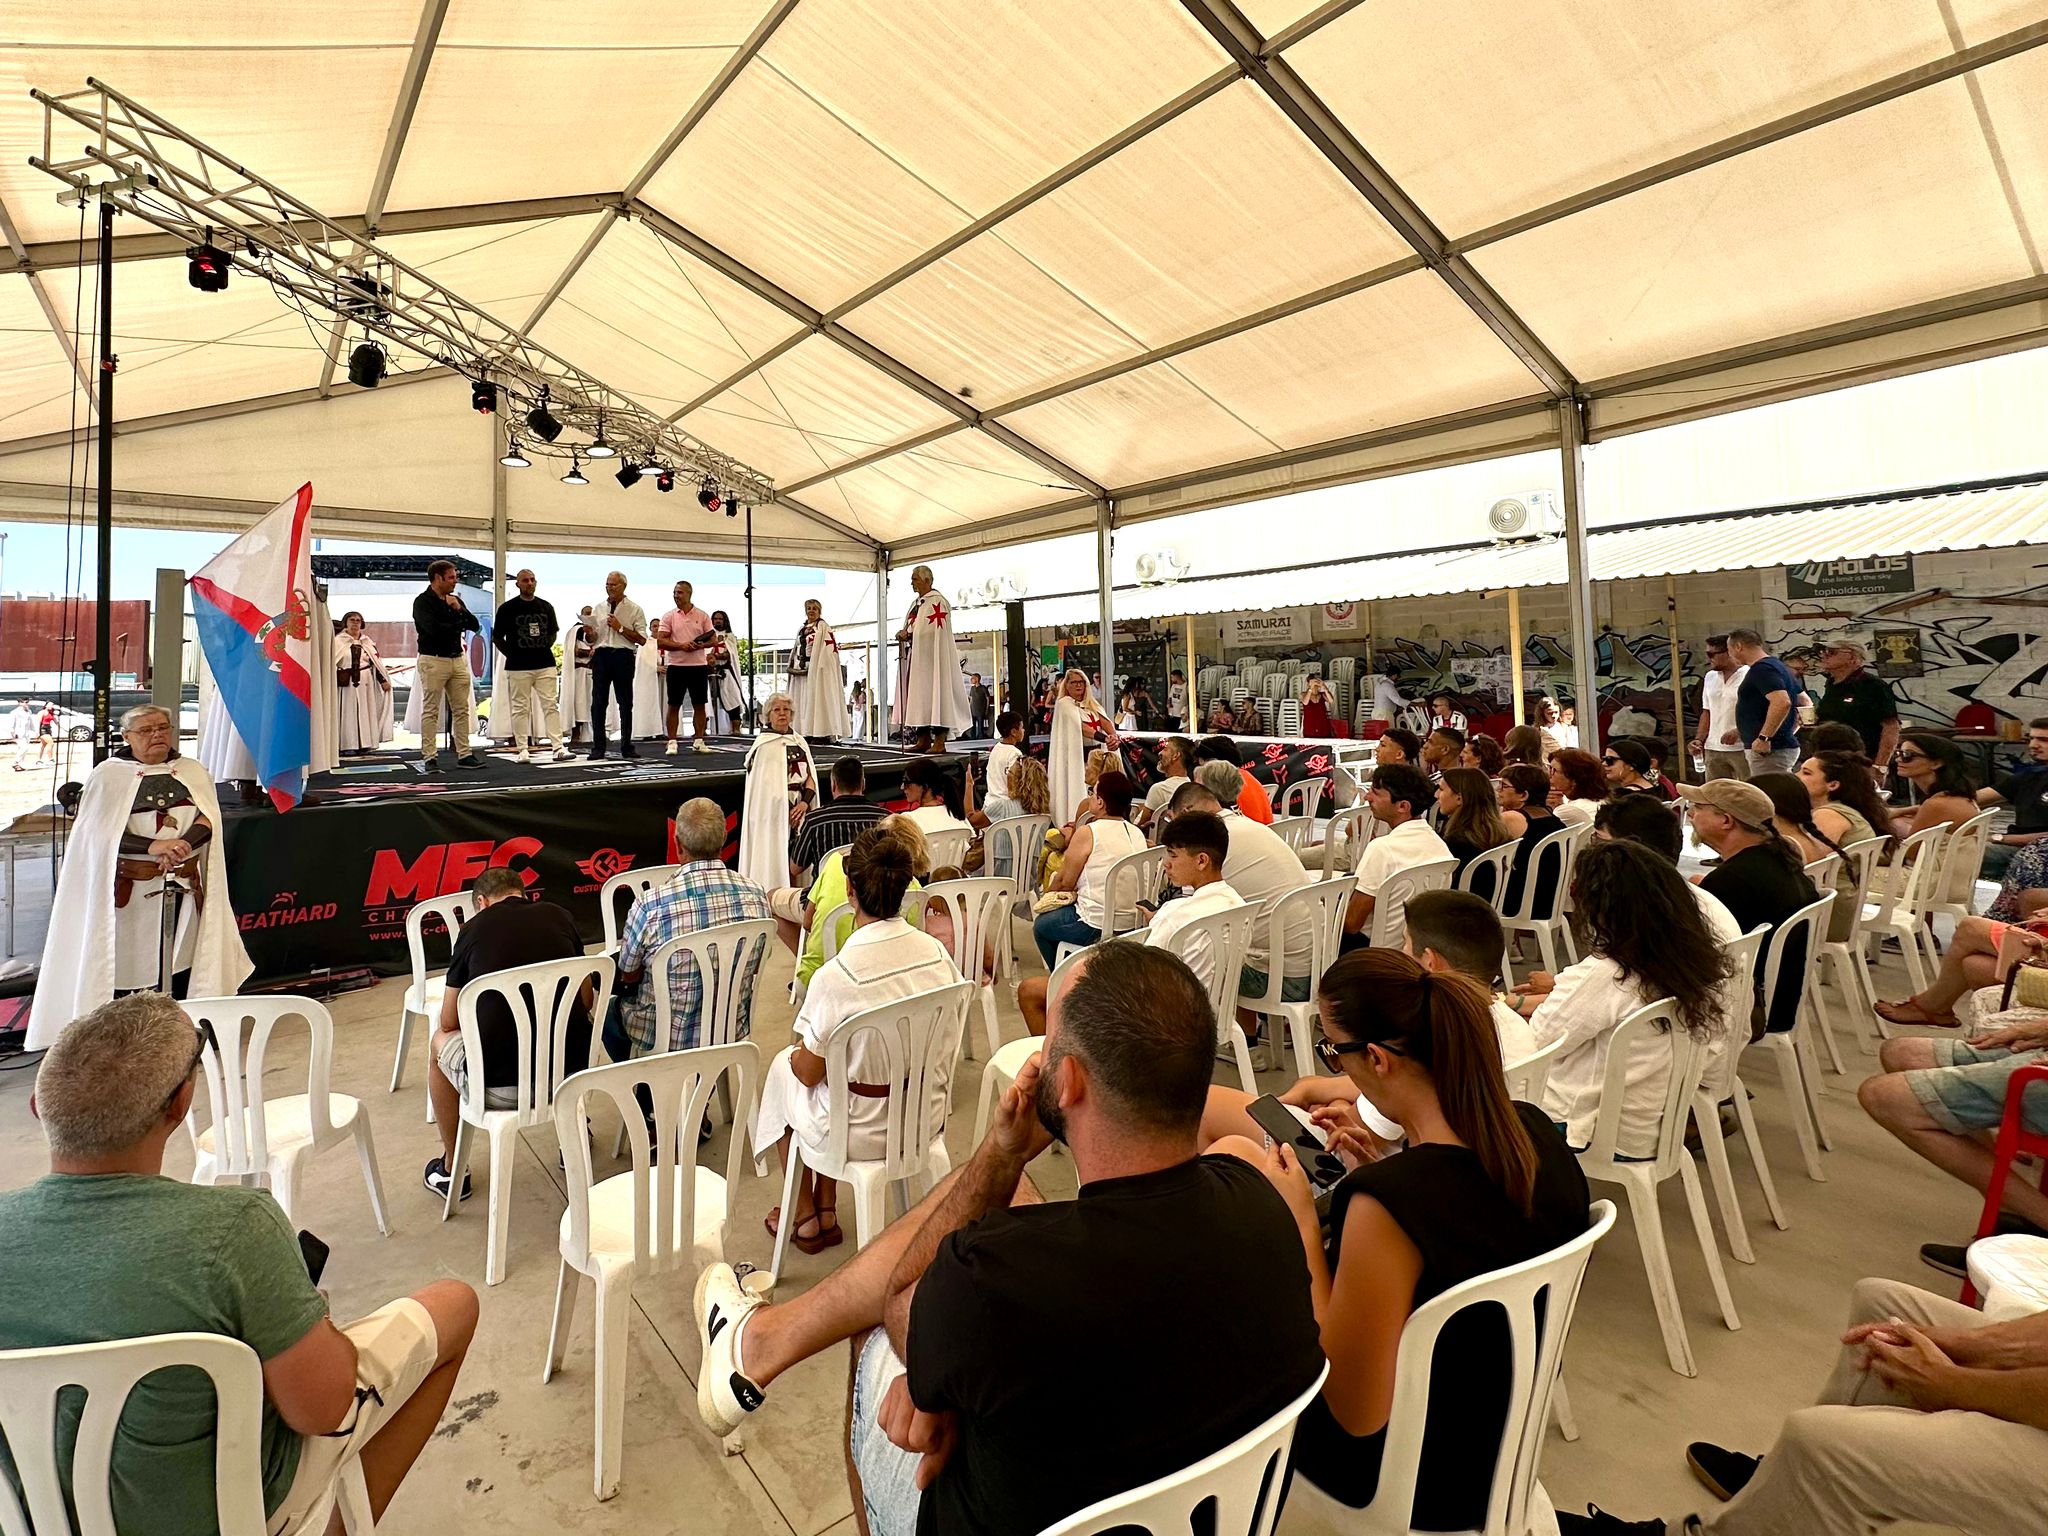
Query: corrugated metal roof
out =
(1969, 519)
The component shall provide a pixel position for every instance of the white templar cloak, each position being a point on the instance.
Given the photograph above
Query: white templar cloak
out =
(94, 947)
(934, 691)
(820, 692)
(1066, 759)
(365, 707)
(764, 815)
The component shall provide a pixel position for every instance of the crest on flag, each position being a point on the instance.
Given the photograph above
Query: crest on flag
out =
(253, 606)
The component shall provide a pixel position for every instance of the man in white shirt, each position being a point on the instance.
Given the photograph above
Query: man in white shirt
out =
(1259, 866)
(620, 627)
(685, 636)
(21, 730)
(1717, 736)
(1176, 763)
(1400, 797)
(1197, 844)
(1387, 703)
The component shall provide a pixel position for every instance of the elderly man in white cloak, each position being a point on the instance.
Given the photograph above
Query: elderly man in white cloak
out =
(782, 785)
(931, 701)
(146, 813)
(817, 682)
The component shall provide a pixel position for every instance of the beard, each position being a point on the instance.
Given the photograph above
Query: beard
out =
(1046, 1102)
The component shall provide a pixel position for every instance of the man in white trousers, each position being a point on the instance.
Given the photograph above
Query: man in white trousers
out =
(523, 630)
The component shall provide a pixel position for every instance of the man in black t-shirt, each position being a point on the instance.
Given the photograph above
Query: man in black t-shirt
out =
(1858, 697)
(507, 931)
(2026, 791)
(1056, 1354)
(523, 631)
(1759, 880)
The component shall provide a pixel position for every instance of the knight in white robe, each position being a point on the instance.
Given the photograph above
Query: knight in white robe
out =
(1077, 719)
(728, 696)
(574, 688)
(816, 681)
(363, 686)
(931, 696)
(782, 784)
(142, 814)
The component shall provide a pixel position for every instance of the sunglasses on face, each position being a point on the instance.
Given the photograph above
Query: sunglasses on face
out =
(1910, 756)
(1611, 761)
(1332, 1052)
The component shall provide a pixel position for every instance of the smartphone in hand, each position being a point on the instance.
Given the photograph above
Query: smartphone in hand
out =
(1324, 1167)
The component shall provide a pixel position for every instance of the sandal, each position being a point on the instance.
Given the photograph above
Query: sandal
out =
(818, 1242)
(1910, 1012)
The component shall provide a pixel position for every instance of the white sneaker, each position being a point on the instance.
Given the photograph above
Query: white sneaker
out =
(724, 1396)
(670, 749)
(522, 757)
(563, 754)
(700, 746)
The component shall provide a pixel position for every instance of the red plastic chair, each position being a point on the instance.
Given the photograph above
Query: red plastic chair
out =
(2014, 1140)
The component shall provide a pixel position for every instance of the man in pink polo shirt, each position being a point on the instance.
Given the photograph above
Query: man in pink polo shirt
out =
(685, 635)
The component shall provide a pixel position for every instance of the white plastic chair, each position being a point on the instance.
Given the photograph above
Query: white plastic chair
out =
(1901, 900)
(1822, 871)
(1131, 879)
(948, 846)
(1601, 1163)
(1017, 841)
(1485, 875)
(1345, 838)
(1294, 831)
(1848, 959)
(1320, 905)
(1390, 902)
(1798, 1065)
(979, 908)
(1528, 1077)
(248, 1138)
(916, 1043)
(633, 884)
(1539, 1299)
(1225, 936)
(1546, 883)
(31, 1381)
(1962, 858)
(662, 1214)
(1004, 1065)
(1238, 1487)
(1721, 1083)
(1304, 797)
(541, 999)
(1288, 717)
(423, 997)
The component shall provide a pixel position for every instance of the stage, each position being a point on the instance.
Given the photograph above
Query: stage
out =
(327, 886)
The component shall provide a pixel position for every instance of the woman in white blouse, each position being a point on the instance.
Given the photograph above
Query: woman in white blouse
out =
(1647, 940)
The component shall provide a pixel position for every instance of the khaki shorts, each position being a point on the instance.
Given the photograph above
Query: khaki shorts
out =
(787, 903)
(396, 1347)
(455, 1067)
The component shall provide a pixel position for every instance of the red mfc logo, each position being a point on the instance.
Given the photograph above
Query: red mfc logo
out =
(605, 863)
(440, 869)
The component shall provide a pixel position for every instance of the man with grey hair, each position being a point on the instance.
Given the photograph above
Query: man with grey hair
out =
(1858, 697)
(1223, 780)
(105, 1247)
(618, 628)
(145, 878)
(931, 690)
(507, 931)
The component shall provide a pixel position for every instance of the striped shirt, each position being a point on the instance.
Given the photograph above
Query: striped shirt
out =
(835, 824)
(700, 895)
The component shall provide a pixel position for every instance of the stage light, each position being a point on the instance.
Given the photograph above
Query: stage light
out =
(629, 474)
(541, 424)
(599, 448)
(665, 481)
(366, 365)
(207, 268)
(483, 397)
(732, 508)
(707, 496)
(575, 475)
(514, 459)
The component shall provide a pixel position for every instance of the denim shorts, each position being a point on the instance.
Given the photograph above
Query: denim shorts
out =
(1964, 1091)
(888, 1473)
(1252, 982)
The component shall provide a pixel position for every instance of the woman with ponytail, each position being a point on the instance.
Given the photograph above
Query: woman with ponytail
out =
(1483, 1183)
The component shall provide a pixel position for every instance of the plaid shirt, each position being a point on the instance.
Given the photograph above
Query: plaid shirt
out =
(700, 895)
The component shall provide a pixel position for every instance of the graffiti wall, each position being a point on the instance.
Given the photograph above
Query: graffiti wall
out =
(1974, 629)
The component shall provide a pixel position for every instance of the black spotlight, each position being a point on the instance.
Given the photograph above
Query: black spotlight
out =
(629, 474)
(483, 398)
(207, 268)
(732, 508)
(708, 498)
(366, 365)
(665, 481)
(541, 424)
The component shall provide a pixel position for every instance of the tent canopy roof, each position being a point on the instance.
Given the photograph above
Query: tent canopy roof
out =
(1245, 245)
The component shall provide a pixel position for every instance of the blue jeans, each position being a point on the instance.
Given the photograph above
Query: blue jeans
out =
(1062, 925)
(888, 1473)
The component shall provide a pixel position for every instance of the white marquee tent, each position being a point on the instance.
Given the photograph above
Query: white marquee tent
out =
(962, 272)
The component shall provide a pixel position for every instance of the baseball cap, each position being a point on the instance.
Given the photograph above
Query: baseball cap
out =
(1842, 643)
(1734, 798)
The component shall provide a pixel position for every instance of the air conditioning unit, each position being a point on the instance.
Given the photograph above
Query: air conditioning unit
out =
(1530, 515)
(1161, 566)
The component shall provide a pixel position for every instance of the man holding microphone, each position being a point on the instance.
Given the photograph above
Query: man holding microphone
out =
(441, 620)
(620, 625)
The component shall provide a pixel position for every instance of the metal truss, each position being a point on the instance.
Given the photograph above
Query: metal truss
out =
(152, 170)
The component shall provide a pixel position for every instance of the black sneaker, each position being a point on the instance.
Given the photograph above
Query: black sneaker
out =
(1946, 1257)
(1723, 1473)
(436, 1181)
(469, 762)
(1597, 1522)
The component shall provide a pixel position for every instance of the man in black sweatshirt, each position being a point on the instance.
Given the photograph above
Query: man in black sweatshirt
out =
(442, 620)
(524, 630)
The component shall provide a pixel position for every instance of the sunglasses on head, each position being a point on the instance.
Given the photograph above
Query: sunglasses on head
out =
(204, 1030)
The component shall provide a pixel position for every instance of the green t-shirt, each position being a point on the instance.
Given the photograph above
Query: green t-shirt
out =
(827, 891)
(118, 1256)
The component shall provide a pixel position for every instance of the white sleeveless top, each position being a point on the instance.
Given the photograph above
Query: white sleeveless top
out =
(1113, 840)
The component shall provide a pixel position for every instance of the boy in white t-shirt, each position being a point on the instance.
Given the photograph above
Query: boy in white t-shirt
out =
(1196, 845)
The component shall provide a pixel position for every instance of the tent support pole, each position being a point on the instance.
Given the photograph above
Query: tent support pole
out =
(1579, 579)
(878, 658)
(1194, 702)
(753, 648)
(1106, 646)
(103, 617)
(1515, 653)
(1681, 754)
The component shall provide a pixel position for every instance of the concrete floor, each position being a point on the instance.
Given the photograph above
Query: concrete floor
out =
(515, 1456)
